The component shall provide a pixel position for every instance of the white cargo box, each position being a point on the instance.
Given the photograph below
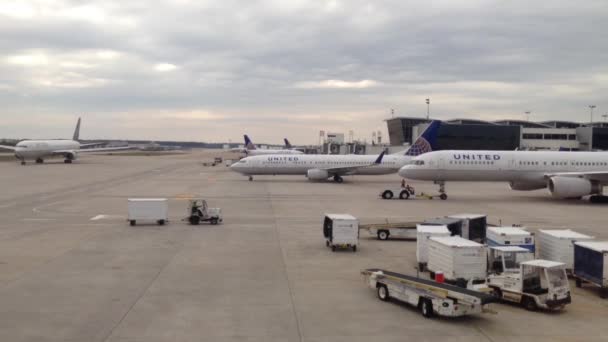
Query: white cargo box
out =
(423, 234)
(341, 230)
(459, 259)
(148, 210)
(510, 236)
(558, 245)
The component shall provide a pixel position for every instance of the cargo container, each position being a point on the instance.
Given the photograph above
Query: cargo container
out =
(510, 236)
(341, 231)
(459, 259)
(591, 264)
(473, 226)
(423, 234)
(148, 210)
(558, 245)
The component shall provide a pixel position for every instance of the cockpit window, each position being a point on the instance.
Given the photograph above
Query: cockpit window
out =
(242, 161)
(418, 162)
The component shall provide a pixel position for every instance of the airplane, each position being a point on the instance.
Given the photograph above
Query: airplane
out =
(252, 150)
(322, 167)
(287, 144)
(39, 149)
(566, 174)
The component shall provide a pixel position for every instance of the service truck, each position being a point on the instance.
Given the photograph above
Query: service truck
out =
(148, 210)
(341, 231)
(431, 298)
(384, 230)
(536, 284)
(591, 264)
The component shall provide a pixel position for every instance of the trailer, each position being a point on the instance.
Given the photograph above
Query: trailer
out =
(403, 193)
(536, 284)
(510, 236)
(423, 234)
(148, 210)
(591, 264)
(558, 245)
(341, 231)
(401, 230)
(431, 298)
(460, 260)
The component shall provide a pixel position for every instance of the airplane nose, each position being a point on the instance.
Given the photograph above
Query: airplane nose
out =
(403, 172)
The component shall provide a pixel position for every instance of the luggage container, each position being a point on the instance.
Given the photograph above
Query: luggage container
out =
(341, 231)
(510, 236)
(454, 225)
(558, 245)
(473, 226)
(148, 210)
(423, 234)
(591, 264)
(459, 259)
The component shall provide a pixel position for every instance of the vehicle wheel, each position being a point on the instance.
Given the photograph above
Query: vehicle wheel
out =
(579, 283)
(23, 162)
(432, 275)
(354, 248)
(39, 161)
(338, 179)
(132, 222)
(194, 220)
(426, 308)
(528, 304)
(404, 194)
(387, 194)
(443, 196)
(68, 161)
(213, 221)
(326, 243)
(383, 235)
(161, 222)
(250, 178)
(333, 248)
(383, 293)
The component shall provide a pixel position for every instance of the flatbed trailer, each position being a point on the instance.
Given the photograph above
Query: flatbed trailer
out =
(402, 230)
(430, 297)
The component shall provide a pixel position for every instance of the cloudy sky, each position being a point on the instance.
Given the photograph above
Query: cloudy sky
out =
(213, 70)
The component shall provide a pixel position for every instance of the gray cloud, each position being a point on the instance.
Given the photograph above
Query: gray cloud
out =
(275, 68)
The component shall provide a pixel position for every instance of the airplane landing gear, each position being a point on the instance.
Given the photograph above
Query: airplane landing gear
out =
(23, 162)
(250, 178)
(338, 179)
(68, 161)
(442, 193)
(39, 161)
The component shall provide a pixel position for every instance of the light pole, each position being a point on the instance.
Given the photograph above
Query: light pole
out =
(591, 112)
(528, 115)
(428, 108)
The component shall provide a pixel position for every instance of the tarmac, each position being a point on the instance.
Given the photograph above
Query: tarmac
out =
(72, 269)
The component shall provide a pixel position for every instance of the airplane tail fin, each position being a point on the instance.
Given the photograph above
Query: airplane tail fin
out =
(77, 131)
(426, 142)
(379, 159)
(248, 143)
(287, 144)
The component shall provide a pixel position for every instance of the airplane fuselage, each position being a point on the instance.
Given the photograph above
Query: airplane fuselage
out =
(38, 149)
(301, 164)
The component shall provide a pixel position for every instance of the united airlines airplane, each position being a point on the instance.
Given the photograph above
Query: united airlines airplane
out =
(566, 174)
(39, 149)
(323, 167)
(252, 150)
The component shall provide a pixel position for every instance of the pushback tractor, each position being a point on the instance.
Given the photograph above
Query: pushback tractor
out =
(198, 212)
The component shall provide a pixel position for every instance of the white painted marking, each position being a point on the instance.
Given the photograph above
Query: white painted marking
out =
(38, 219)
(98, 217)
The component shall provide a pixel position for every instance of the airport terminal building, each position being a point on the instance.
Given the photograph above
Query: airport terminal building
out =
(470, 134)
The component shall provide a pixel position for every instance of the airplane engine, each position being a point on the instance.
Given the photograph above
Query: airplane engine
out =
(527, 186)
(71, 156)
(570, 187)
(317, 174)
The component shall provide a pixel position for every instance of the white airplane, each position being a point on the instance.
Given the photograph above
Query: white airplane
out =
(566, 174)
(251, 150)
(39, 149)
(322, 166)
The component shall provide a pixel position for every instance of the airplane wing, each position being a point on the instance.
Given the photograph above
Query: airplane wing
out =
(12, 148)
(599, 176)
(353, 169)
(92, 144)
(86, 150)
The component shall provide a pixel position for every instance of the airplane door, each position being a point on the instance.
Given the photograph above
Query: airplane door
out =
(441, 166)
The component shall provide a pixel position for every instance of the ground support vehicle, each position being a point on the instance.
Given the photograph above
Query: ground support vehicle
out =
(537, 284)
(431, 298)
(591, 264)
(341, 231)
(402, 230)
(462, 261)
(503, 259)
(198, 212)
(148, 210)
(400, 193)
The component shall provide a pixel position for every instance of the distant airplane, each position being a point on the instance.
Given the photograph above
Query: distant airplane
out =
(39, 149)
(251, 150)
(566, 174)
(287, 144)
(323, 166)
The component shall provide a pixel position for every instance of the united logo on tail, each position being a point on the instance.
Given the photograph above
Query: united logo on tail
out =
(426, 141)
